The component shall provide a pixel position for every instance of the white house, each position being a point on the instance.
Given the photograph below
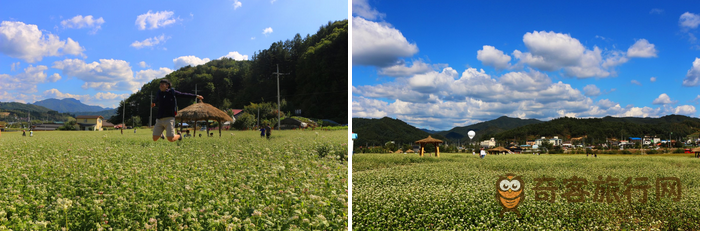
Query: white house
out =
(488, 143)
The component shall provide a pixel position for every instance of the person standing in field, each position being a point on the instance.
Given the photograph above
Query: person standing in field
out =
(262, 132)
(167, 109)
(482, 153)
(267, 131)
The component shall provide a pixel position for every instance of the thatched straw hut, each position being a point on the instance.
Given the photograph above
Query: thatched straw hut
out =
(399, 151)
(203, 111)
(696, 152)
(428, 140)
(498, 150)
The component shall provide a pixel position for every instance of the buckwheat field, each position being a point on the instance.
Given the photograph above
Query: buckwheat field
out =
(104, 180)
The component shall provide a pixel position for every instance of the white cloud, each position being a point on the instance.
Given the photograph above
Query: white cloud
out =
(110, 96)
(491, 56)
(235, 55)
(150, 42)
(55, 93)
(378, 44)
(26, 81)
(27, 42)
(663, 99)
(84, 22)
(143, 64)
(635, 82)
(550, 51)
(656, 11)
(103, 99)
(144, 76)
(54, 77)
(589, 65)
(253, 38)
(684, 110)
(653, 79)
(592, 90)
(432, 81)
(362, 8)
(689, 20)
(267, 31)
(14, 66)
(443, 99)
(237, 4)
(643, 49)
(606, 103)
(155, 20)
(400, 70)
(188, 60)
(692, 76)
(526, 81)
(108, 74)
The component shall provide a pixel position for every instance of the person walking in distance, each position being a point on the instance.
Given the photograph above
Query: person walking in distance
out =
(167, 109)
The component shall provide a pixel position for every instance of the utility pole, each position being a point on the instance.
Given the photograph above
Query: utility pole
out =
(150, 112)
(124, 107)
(278, 93)
(670, 142)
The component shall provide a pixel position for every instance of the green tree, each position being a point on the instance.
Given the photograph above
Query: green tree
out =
(69, 125)
(391, 146)
(406, 147)
(245, 121)
(134, 121)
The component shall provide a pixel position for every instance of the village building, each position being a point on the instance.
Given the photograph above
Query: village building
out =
(488, 143)
(89, 122)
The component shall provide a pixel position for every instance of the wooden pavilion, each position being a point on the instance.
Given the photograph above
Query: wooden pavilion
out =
(202, 111)
(429, 140)
(498, 150)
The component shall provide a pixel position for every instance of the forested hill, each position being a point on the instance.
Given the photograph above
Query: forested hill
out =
(485, 129)
(6, 106)
(599, 129)
(316, 80)
(379, 131)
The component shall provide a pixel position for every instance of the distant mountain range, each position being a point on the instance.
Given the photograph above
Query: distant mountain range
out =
(379, 131)
(68, 105)
(481, 129)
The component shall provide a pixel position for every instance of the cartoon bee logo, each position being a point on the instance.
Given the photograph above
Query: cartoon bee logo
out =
(510, 192)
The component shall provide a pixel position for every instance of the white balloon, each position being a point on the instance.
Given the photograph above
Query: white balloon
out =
(471, 134)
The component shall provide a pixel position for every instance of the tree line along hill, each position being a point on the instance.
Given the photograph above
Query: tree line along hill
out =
(11, 112)
(595, 130)
(315, 80)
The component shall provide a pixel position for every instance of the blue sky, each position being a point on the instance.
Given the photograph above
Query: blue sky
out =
(100, 52)
(444, 64)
